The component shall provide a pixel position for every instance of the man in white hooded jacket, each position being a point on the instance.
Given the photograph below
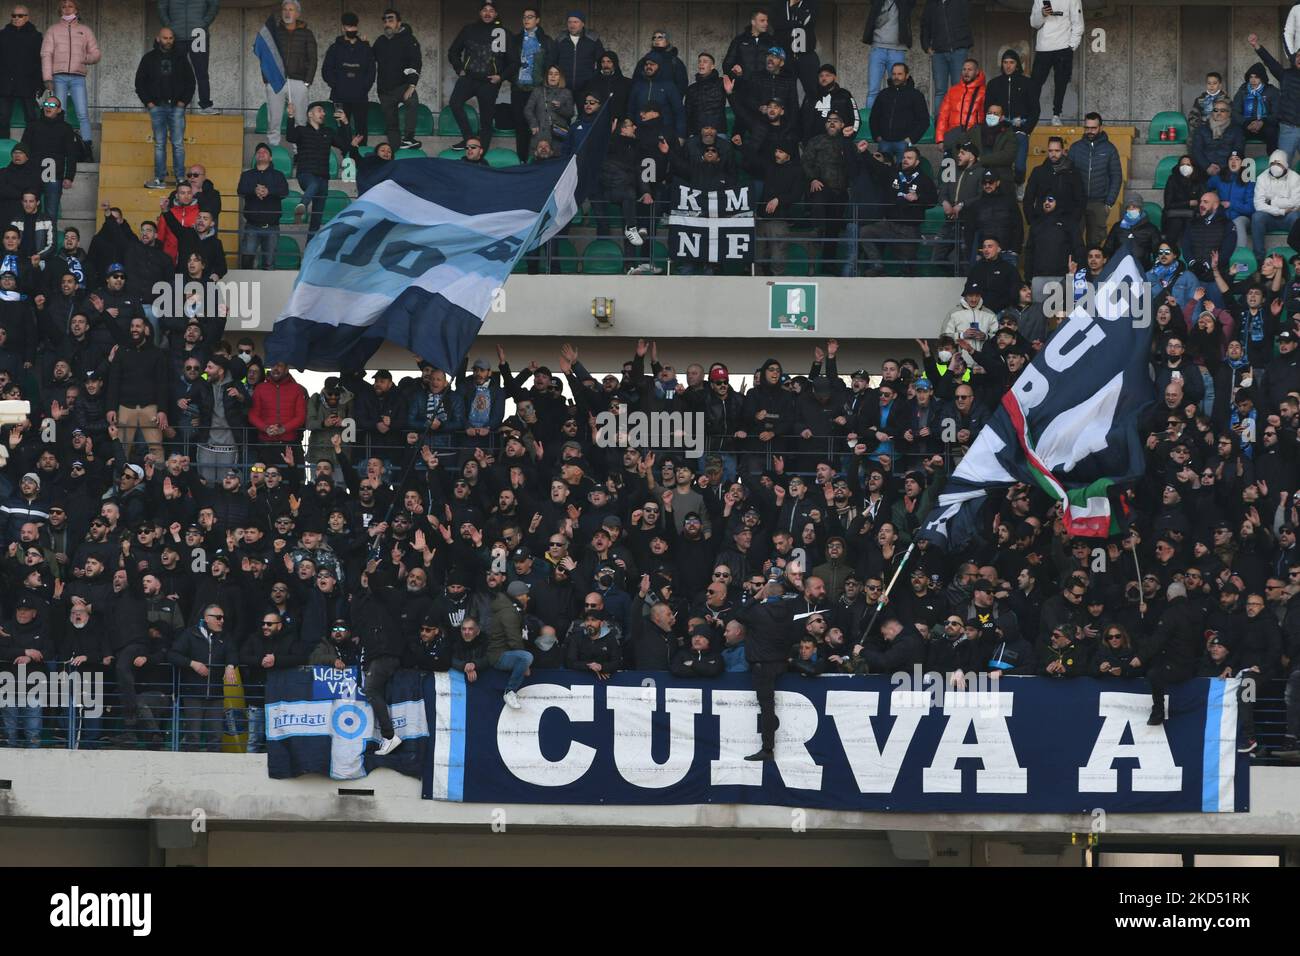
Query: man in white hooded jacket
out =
(1060, 31)
(1277, 201)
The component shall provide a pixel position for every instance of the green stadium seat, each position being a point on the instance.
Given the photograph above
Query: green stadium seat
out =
(18, 119)
(409, 154)
(501, 158)
(1155, 212)
(7, 150)
(447, 123)
(934, 221)
(731, 119)
(1164, 120)
(564, 257)
(1245, 256)
(864, 121)
(602, 257)
(450, 153)
(1286, 252)
(1165, 169)
(659, 255)
(282, 159)
(423, 119)
(375, 120)
(261, 126)
(287, 254)
(335, 201)
(287, 205)
(929, 134)
(334, 164)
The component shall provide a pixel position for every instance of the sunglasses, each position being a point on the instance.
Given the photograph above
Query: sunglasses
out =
(591, 607)
(718, 577)
(270, 623)
(217, 617)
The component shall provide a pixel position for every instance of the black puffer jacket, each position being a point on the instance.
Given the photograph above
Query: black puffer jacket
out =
(314, 144)
(945, 26)
(904, 21)
(165, 76)
(899, 113)
(670, 66)
(47, 138)
(706, 104)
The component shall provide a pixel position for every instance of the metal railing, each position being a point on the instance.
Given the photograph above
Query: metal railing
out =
(815, 239)
(155, 715)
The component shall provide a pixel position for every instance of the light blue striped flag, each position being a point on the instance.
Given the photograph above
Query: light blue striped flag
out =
(415, 259)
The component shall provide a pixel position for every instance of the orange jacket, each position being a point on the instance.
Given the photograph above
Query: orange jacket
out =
(962, 106)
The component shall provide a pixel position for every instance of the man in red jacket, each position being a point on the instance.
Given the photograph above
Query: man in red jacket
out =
(279, 413)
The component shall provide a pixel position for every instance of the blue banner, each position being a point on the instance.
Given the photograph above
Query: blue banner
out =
(319, 721)
(1031, 745)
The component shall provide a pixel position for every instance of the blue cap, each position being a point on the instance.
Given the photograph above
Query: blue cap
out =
(924, 383)
(116, 269)
(776, 51)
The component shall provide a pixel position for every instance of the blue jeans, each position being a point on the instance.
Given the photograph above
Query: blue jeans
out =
(258, 246)
(1262, 222)
(1288, 139)
(879, 64)
(893, 148)
(168, 120)
(516, 662)
(70, 84)
(848, 250)
(256, 728)
(22, 726)
(314, 189)
(1022, 154)
(52, 198)
(945, 70)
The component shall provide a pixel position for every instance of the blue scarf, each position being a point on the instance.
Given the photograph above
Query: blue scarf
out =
(1165, 272)
(1255, 107)
(531, 47)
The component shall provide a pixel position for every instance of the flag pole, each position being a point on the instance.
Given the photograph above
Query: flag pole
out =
(1137, 569)
(880, 604)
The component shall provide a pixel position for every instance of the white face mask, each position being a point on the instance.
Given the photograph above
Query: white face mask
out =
(1276, 172)
(69, 18)
(1185, 170)
(993, 119)
(944, 356)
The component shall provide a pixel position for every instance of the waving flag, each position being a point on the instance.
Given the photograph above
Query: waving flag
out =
(268, 54)
(415, 260)
(1069, 424)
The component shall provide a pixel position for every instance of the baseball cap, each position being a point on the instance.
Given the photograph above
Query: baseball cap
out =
(517, 589)
(719, 373)
(481, 363)
(116, 269)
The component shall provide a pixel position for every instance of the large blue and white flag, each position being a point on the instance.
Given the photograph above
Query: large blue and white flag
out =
(318, 720)
(268, 55)
(417, 258)
(1069, 424)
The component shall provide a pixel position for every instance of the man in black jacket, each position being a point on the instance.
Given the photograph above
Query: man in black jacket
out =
(706, 100)
(1056, 177)
(206, 658)
(398, 63)
(314, 142)
(164, 82)
(794, 27)
(1017, 94)
(910, 193)
(767, 649)
(826, 98)
(946, 36)
(349, 69)
(1171, 653)
(746, 57)
(901, 115)
(381, 637)
(137, 390)
(51, 144)
(20, 67)
(269, 647)
(261, 187)
(996, 215)
(480, 57)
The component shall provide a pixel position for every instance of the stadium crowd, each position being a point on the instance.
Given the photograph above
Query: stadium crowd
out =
(173, 503)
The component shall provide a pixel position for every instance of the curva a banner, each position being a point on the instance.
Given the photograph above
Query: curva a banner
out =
(715, 226)
(1032, 745)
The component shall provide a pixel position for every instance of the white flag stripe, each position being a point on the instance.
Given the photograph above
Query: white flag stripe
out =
(1082, 431)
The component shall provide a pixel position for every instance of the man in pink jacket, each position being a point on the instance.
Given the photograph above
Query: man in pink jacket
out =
(68, 50)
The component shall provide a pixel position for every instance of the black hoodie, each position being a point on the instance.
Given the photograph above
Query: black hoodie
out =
(603, 87)
(706, 103)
